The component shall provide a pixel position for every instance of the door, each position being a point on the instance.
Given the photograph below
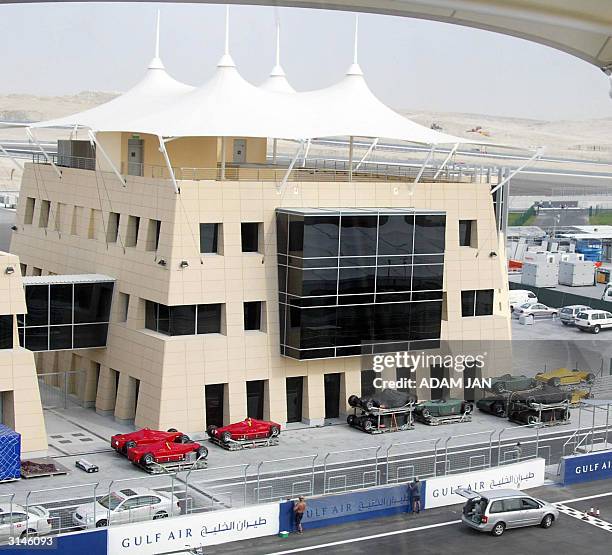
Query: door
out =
(131, 511)
(295, 388)
(135, 156)
(239, 156)
(532, 511)
(607, 320)
(514, 515)
(255, 399)
(214, 394)
(332, 395)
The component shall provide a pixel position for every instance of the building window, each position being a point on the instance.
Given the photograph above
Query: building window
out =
(76, 218)
(183, 319)
(467, 233)
(36, 271)
(131, 236)
(45, 208)
(124, 305)
(112, 230)
(153, 230)
(250, 236)
(252, 315)
(28, 217)
(405, 374)
(209, 238)
(94, 219)
(6, 331)
(59, 211)
(367, 382)
(24, 268)
(477, 303)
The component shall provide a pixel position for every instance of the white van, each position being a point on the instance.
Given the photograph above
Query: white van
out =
(517, 297)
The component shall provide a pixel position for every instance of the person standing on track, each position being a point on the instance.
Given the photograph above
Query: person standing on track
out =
(299, 509)
(414, 489)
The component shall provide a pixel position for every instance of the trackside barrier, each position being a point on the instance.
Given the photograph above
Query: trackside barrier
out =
(76, 543)
(585, 468)
(195, 531)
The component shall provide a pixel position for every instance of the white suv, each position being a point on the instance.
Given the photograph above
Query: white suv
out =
(593, 320)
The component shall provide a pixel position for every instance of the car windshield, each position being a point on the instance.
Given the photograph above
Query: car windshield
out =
(567, 310)
(111, 501)
(526, 305)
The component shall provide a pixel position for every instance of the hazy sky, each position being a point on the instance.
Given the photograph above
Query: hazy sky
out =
(52, 49)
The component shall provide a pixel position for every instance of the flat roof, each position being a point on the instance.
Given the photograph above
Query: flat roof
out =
(66, 279)
(356, 211)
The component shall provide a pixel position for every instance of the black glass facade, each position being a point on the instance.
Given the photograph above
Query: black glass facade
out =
(359, 281)
(183, 319)
(65, 316)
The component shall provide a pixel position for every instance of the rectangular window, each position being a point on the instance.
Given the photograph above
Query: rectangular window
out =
(94, 220)
(209, 238)
(6, 331)
(24, 268)
(131, 236)
(124, 305)
(250, 236)
(153, 230)
(214, 397)
(112, 230)
(45, 208)
(477, 303)
(467, 233)
(209, 318)
(183, 319)
(28, 217)
(36, 271)
(76, 219)
(252, 315)
(367, 382)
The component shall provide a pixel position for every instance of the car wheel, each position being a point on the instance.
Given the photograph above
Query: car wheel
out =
(547, 521)
(350, 419)
(160, 514)
(565, 323)
(147, 459)
(498, 529)
(597, 329)
(274, 431)
(368, 425)
(532, 419)
(226, 437)
(102, 523)
(128, 445)
(210, 430)
(202, 452)
(425, 413)
(172, 430)
(498, 409)
(353, 401)
(498, 387)
(29, 533)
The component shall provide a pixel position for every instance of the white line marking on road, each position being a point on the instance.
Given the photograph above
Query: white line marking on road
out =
(594, 496)
(583, 517)
(365, 538)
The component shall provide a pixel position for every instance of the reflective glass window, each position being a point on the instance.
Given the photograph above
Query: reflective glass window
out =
(484, 302)
(318, 282)
(393, 278)
(356, 325)
(425, 278)
(356, 280)
(92, 302)
(6, 331)
(209, 238)
(37, 339)
(37, 301)
(320, 236)
(209, 318)
(395, 234)
(252, 315)
(429, 233)
(425, 320)
(163, 319)
(318, 327)
(358, 235)
(90, 335)
(282, 232)
(60, 337)
(151, 315)
(182, 320)
(60, 305)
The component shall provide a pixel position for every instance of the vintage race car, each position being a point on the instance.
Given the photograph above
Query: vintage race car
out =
(167, 451)
(248, 429)
(442, 407)
(123, 442)
(564, 376)
(524, 408)
(507, 382)
(496, 404)
(383, 399)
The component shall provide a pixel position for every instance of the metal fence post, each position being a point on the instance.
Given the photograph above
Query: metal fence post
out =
(95, 501)
(491, 448)
(245, 484)
(376, 465)
(436, 457)
(446, 455)
(387, 462)
(325, 473)
(258, 478)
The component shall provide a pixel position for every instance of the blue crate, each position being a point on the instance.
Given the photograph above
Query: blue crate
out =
(10, 454)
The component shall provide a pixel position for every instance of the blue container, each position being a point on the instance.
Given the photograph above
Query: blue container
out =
(10, 453)
(592, 249)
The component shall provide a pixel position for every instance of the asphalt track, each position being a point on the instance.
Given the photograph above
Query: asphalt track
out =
(438, 531)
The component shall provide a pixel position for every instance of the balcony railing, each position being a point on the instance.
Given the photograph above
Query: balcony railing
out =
(315, 170)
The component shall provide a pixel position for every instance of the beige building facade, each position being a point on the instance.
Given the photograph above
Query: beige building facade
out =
(148, 238)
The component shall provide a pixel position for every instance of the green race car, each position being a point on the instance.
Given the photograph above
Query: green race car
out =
(440, 408)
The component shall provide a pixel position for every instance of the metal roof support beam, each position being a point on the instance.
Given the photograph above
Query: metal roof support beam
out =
(93, 140)
(44, 152)
(368, 152)
(446, 160)
(282, 184)
(274, 148)
(162, 147)
(536, 156)
(12, 158)
(306, 152)
(422, 169)
(350, 159)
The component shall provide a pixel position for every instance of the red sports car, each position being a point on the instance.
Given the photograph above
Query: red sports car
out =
(166, 451)
(249, 428)
(123, 442)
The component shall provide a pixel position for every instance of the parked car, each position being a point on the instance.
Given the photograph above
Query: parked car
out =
(427, 410)
(507, 382)
(564, 376)
(16, 522)
(520, 401)
(123, 442)
(86, 466)
(166, 452)
(384, 399)
(593, 320)
(568, 314)
(496, 405)
(126, 505)
(537, 310)
(494, 511)
(518, 297)
(249, 428)
(524, 408)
